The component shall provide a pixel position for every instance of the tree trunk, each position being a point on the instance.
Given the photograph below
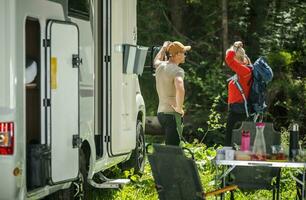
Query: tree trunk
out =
(257, 20)
(225, 36)
(224, 26)
(153, 126)
(176, 13)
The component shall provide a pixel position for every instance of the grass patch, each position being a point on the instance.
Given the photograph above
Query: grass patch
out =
(143, 188)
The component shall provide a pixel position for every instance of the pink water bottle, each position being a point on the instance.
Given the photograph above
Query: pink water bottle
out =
(245, 141)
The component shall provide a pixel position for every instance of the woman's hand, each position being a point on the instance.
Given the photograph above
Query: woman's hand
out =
(238, 44)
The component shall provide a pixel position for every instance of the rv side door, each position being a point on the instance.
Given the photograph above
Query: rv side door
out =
(63, 98)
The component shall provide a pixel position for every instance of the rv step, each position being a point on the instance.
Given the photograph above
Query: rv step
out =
(108, 183)
(114, 184)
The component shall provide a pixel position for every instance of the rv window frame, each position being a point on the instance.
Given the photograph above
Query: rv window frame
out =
(79, 13)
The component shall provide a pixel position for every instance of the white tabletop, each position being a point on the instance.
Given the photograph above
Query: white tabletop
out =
(261, 163)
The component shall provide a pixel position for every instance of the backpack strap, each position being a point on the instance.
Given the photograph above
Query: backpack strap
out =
(237, 84)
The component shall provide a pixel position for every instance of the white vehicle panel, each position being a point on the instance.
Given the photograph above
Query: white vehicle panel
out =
(86, 78)
(6, 64)
(64, 102)
(7, 189)
(70, 113)
(123, 138)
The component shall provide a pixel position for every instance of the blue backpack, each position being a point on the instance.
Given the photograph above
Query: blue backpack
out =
(262, 74)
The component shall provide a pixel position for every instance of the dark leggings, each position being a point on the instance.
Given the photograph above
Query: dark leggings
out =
(232, 119)
(168, 124)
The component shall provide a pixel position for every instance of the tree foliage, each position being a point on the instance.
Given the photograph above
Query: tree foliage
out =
(271, 28)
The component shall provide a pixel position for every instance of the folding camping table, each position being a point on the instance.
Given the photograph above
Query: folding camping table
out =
(229, 165)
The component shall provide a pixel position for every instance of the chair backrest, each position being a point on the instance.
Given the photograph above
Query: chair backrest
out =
(261, 177)
(272, 137)
(175, 175)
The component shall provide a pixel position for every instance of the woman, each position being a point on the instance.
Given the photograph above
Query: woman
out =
(237, 60)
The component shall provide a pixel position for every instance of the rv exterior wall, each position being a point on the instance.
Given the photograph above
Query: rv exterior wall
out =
(8, 62)
(8, 104)
(124, 104)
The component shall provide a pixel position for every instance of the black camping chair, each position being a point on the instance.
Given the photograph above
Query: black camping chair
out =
(261, 177)
(176, 176)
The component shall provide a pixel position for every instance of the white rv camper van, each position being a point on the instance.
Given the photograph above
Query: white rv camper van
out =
(70, 102)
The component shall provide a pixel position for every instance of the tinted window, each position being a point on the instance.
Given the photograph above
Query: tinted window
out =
(78, 8)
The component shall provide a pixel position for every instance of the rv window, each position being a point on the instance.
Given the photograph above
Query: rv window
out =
(79, 9)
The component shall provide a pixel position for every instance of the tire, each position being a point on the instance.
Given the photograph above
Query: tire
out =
(137, 159)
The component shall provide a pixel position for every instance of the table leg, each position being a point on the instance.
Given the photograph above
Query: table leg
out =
(303, 185)
(223, 177)
(278, 183)
(223, 183)
(216, 179)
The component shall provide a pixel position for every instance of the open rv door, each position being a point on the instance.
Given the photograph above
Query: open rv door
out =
(120, 24)
(62, 99)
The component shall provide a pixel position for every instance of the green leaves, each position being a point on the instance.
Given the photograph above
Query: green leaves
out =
(275, 29)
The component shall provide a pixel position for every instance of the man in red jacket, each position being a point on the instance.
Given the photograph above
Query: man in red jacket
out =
(238, 61)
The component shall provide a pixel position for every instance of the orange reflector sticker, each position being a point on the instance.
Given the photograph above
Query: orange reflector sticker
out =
(53, 73)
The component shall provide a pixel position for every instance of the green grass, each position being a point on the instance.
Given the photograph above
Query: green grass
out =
(143, 188)
(140, 188)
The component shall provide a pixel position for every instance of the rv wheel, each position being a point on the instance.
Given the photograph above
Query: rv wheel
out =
(137, 159)
(140, 151)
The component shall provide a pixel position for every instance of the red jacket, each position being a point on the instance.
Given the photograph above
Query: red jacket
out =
(244, 74)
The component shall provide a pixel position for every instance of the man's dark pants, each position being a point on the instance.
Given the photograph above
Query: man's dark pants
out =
(169, 126)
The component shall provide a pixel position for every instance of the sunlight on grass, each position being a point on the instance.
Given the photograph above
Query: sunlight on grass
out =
(143, 188)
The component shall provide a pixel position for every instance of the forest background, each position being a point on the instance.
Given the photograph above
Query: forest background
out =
(274, 29)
